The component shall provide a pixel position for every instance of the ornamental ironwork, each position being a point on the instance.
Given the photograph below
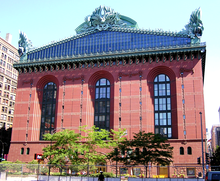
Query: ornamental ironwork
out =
(195, 26)
(24, 44)
(102, 19)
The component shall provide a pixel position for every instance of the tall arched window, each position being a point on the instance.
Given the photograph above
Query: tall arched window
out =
(48, 109)
(162, 106)
(189, 150)
(102, 104)
(181, 151)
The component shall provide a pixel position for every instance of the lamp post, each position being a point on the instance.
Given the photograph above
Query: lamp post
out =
(2, 150)
(203, 169)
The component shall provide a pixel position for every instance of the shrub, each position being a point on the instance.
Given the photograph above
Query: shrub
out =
(106, 174)
(181, 175)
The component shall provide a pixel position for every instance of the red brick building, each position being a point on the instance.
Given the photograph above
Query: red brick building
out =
(114, 75)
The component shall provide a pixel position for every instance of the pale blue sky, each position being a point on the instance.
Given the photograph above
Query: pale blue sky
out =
(47, 20)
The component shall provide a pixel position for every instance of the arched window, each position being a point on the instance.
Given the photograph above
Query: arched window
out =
(189, 150)
(162, 106)
(22, 151)
(102, 104)
(181, 151)
(28, 151)
(48, 109)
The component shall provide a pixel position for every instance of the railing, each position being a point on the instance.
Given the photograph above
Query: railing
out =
(111, 172)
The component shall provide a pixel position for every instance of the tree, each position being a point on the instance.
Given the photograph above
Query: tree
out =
(215, 159)
(144, 148)
(80, 149)
(63, 148)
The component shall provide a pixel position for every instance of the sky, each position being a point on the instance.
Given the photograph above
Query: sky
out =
(44, 21)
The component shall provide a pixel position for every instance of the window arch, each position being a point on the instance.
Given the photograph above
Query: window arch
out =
(162, 106)
(181, 151)
(189, 150)
(102, 104)
(48, 109)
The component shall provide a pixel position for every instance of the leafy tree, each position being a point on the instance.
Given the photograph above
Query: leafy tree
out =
(215, 159)
(80, 149)
(144, 148)
(63, 148)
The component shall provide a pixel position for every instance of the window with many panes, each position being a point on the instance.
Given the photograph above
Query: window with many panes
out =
(102, 104)
(162, 106)
(48, 109)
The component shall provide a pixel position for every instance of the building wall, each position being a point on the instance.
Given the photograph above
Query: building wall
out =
(8, 81)
(26, 133)
(215, 137)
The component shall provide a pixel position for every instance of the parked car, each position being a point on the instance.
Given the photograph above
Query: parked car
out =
(212, 176)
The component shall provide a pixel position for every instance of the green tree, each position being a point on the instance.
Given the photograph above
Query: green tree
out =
(63, 148)
(215, 159)
(144, 148)
(80, 149)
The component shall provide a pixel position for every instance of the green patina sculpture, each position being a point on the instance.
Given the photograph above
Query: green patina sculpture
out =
(195, 26)
(103, 18)
(24, 44)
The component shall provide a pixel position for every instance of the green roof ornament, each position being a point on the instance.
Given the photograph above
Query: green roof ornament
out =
(104, 18)
(195, 26)
(24, 45)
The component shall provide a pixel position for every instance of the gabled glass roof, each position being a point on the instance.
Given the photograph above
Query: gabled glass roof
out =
(107, 41)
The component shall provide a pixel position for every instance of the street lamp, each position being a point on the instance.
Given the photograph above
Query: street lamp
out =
(203, 169)
(2, 150)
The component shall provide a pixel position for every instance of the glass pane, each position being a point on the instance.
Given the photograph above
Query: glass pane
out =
(108, 106)
(108, 92)
(43, 109)
(97, 83)
(155, 90)
(169, 118)
(102, 81)
(161, 78)
(54, 106)
(50, 85)
(96, 107)
(156, 104)
(169, 132)
(102, 92)
(55, 95)
(163, 131)
(97, 93)
(48, 109)
(162, 90)
(167, 78)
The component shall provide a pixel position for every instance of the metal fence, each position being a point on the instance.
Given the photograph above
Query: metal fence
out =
(42, 172)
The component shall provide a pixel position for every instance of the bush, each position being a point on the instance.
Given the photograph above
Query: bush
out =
(106, 174)
(4, 165)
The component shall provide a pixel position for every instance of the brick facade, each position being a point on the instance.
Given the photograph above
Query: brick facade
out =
(130, 109)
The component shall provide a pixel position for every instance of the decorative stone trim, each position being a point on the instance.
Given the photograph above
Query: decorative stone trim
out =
(28, 81)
